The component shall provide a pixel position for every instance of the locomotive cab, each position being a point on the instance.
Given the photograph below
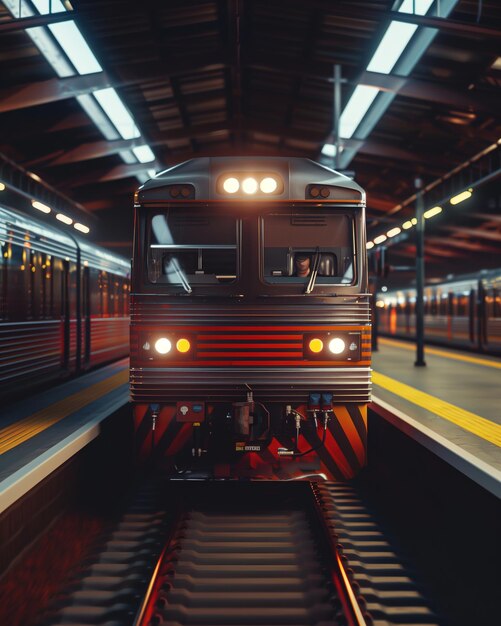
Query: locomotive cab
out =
(250, 330)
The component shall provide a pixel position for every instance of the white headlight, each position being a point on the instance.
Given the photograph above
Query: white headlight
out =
(163, 345)
(337, 345)
(231, 185)
(249, 185)
(268, 185)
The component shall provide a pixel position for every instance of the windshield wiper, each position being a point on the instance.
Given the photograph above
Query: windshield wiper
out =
(182, 278)
(314, 272)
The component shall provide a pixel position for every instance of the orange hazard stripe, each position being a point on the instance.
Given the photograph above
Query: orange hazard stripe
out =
(346, 423)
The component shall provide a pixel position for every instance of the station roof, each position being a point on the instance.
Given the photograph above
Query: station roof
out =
(241, 77)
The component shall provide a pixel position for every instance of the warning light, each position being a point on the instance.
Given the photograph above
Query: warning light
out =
(316, 345)
(183, 345)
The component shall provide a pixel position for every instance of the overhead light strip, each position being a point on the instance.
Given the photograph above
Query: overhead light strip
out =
(394, 42)
(111, 115)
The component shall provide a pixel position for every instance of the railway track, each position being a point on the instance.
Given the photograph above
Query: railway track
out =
(242, 555)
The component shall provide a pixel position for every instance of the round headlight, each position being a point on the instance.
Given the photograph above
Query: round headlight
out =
(337, 345)
(183, 345)
(249, 185)
(231, 185)
(163, 345)
(316, 345)
(268, 185)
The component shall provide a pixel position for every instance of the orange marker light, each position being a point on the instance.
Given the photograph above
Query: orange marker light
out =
(316, 345)
(183, 345)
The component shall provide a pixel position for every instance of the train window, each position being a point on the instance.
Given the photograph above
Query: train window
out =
(294, 244)
(496, 303)
(462, 305)
(187, 249)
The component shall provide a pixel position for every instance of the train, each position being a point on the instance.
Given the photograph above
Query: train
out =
(64, 304)
(250, 321)
(462, 312)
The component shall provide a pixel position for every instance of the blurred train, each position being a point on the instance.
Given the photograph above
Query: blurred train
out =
(463, 312)
(250, 320)
(64, 304)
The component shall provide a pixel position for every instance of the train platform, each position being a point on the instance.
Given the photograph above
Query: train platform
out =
(40, 433)
(451, 406)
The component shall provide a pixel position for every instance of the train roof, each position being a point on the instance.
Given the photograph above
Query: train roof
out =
(23, 229)
(295, 172)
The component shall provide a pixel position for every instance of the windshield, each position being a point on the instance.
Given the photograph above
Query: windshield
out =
(190, 249)
(313, 247)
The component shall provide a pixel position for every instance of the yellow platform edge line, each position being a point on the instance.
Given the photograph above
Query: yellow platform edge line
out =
(26, 428)
(479, 426)
(436, 351)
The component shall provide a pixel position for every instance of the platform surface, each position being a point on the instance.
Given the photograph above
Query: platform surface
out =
(453, 405)
(40, 433)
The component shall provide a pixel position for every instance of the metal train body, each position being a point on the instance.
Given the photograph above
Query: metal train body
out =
(232, 372)
(464, 312)
(64, 304)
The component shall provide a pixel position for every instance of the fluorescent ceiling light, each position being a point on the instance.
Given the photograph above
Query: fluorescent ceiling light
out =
(116, 111)
(356, 108)
(393, 43)
(40, 206)
(144, 154)
(81, 227)
(380, 239)
(369, 245)
(393, 232)
(464, 195)
(433, 211)
(2, 186)
(64, 218)
(407, 225)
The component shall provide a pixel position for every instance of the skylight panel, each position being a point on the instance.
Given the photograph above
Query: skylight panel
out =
(356, 108)
(116, 111)
(144, 154)
(415, 7)
(393, 43)
(76, 48)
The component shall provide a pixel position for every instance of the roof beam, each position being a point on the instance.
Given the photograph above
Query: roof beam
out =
(454, 27)
(21, 23)
(410, 87)
(56, 89)
(432, 92)
(463, 244)
(94, 150)
(491, 235)
(52, 90)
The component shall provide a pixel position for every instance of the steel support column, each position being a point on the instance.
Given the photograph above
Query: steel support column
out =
(419, 274)
(336, 114)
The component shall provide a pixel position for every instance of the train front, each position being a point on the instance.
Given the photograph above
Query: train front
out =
(250, 324)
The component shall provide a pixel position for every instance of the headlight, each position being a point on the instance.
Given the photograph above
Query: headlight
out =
(231, 185)
(163, 345)
(249, 186)
(337, 345)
